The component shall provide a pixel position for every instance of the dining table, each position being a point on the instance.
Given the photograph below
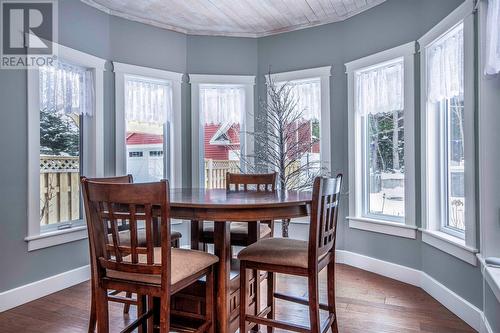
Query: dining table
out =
(223, 207)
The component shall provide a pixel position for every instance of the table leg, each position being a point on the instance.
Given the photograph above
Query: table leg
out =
(222, 249)
(196, 229)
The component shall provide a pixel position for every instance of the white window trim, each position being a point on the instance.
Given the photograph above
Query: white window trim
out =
(356, 218)
(197, 144)
(464, 249)
(93, 148)
(175, 79)
(324, 74)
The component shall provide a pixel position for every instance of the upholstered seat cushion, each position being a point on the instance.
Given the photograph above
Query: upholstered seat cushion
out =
(240, 228)
(184, 264)
(141, 237)
(277, 251)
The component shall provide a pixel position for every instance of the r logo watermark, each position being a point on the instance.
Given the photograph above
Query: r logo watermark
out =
(28, 35)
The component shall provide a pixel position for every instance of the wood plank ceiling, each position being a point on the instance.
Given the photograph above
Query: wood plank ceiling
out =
(241, 18)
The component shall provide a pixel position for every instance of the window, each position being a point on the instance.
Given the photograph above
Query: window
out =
(310, 91)
(222, 109)
(148, 124)
(135, 154)
(448, 175)
(381, 139)
(222, 112)
(306, 128)
(148, 107)
(65, 142)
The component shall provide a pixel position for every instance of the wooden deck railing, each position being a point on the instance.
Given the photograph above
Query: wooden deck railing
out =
(215, 172)
(59, 189)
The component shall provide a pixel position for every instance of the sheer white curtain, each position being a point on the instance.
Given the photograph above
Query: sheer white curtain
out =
(147, 101)
(493, 38)
(380, 89)
(221, 104)
(67, 88)
(445, 59)
(308, 97)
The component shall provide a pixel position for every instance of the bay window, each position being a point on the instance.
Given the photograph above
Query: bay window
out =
(448, 118)
(222, 114)
(65, 142)
(148, 124)
(381, 119)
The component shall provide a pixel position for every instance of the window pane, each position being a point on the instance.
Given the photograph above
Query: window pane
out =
(59, 167)
(144, 143)
(385, 164)
(305, 141)
(222, 110)
(456, 163)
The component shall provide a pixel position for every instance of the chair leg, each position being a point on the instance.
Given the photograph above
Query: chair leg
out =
(141, 309)
(243, 298)
(102, 310)
(165, 314)
(93, 312)
(271, 286)
(126, 307)
(314, 303)
(331, 294)
(209, 301)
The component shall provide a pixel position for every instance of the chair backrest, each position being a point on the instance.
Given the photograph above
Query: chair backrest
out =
(264, 182)
(106, 205)
(127, 179)
(324, 212)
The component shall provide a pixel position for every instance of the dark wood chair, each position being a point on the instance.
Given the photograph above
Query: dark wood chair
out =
(152, 271)
(123, 228)
(203, 232)
(296, 257)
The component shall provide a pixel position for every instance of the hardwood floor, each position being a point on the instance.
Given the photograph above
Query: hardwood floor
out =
(366, 303)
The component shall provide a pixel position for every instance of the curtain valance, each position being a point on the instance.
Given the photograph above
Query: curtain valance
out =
(67, 88)
(221, 105)
(380, 89)
(445, 59)
(308, 98)
(147, 101)
(493, 38)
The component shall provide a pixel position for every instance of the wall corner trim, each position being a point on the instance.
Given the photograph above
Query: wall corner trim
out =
(29, 292)
(453, 302)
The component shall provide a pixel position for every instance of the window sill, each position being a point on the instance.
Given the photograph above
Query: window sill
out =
(492, 277)
(383, 227)
(451, 245)
(54, 238)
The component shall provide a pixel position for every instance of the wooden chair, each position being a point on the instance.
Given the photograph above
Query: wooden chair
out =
(128, 299)
(203, 232)
(296, 257)
(145, 270)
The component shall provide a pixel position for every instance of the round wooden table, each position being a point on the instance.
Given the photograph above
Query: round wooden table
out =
(220, 206)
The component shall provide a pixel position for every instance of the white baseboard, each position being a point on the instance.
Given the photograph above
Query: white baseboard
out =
(14, 297)
(456, 304)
